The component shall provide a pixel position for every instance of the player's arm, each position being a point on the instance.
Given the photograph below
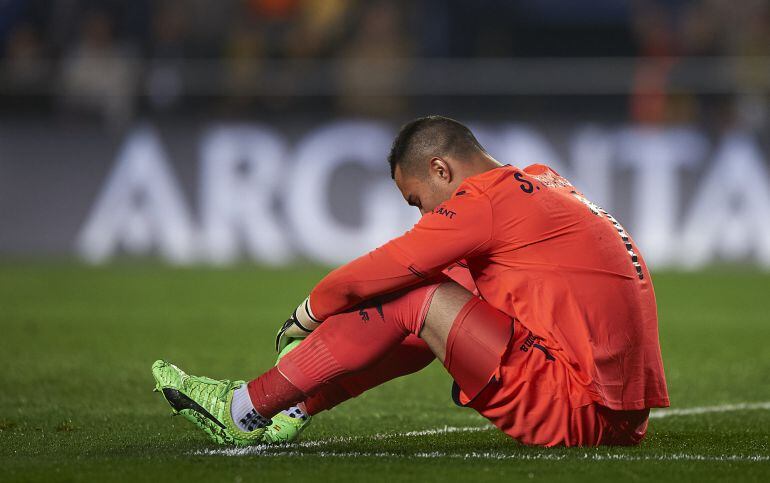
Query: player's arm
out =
(375, 273)
(459, 228)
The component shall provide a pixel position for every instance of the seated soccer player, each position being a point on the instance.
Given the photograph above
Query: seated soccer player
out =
(551, 332)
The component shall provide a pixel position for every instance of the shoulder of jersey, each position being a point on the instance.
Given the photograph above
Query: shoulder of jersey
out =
(547, 176)
(478, 184)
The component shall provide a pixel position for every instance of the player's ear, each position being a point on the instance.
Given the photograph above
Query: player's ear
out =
(441, 170)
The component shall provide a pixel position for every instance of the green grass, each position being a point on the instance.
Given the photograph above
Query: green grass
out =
(76, 346)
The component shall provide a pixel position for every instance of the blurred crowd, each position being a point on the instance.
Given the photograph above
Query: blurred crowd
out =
(114, 59)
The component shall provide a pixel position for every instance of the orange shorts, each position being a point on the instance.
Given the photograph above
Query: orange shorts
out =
(533, 398)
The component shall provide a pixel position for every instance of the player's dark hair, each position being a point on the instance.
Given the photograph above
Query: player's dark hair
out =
(430, 136)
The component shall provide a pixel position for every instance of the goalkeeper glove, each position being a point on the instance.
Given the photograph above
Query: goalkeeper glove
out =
(298, 326)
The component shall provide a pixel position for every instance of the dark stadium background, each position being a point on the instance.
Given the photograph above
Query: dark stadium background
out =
(646, 106)
(176, 175)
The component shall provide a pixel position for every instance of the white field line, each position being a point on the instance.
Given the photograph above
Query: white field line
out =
(315, 443)
(383, 436)
(295, 449)
(489, 455)
(724, 408)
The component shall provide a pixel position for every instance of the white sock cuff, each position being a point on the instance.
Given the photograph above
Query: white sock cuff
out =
(244, 415)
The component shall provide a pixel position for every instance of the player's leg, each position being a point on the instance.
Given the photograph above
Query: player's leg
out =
(352, 343)
(347, 344)
(229, 411)
(412, 355)
(465, 332)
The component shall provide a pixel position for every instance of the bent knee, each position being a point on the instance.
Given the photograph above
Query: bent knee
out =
(429, 304)
(448, 300)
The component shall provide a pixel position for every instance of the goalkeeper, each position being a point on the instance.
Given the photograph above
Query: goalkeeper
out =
(536, 301)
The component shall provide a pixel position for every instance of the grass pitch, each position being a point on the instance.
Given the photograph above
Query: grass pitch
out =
(76, 346)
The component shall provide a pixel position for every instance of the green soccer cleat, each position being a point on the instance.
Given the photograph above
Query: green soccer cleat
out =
(284, 428)
(204, 402)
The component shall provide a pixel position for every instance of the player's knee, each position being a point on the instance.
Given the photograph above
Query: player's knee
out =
(449, 298)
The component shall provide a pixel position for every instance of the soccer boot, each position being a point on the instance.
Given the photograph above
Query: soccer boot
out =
(204, 402)
(286, 428)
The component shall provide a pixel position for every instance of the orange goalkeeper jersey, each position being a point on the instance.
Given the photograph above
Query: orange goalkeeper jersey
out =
(539, 251)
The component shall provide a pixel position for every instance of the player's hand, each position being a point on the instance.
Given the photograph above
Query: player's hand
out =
(298, 326)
